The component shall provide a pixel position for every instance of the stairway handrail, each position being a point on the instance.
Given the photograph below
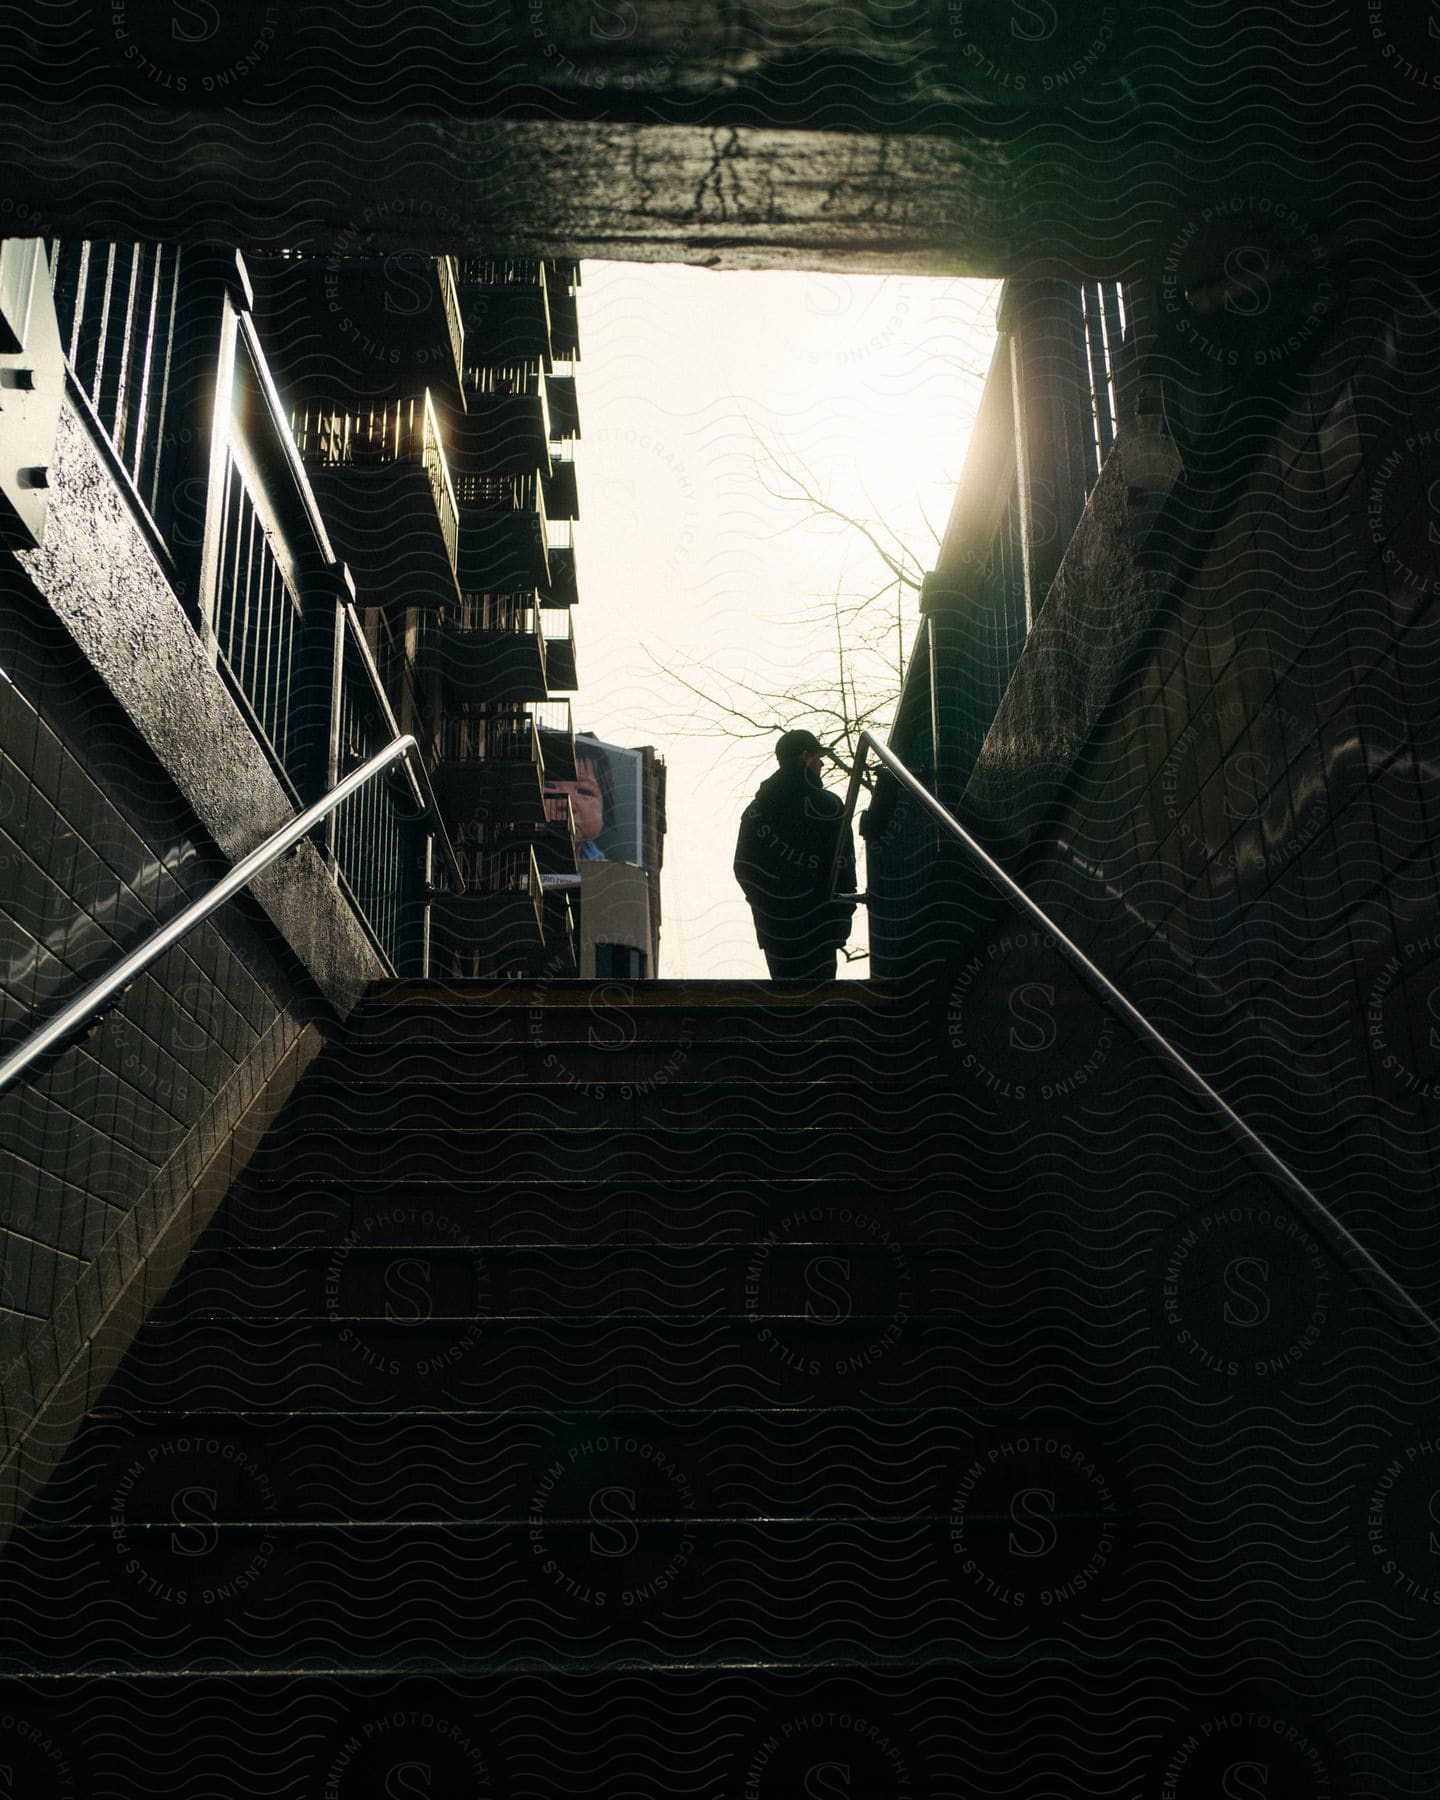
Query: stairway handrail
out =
(94, 999)
(1313, 1212)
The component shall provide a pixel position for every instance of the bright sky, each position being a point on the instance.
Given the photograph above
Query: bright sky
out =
(689, 571)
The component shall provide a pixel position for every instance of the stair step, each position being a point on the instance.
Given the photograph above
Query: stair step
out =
(737, 1435)
(824, 1267)
(873, 993)
(602, 1587)
(376, 1465)
(595, 1026)
(347, 1210)
(917, 1729)
(922, 1153)
(408, 1061)
(617, 1360)
(570, 1105)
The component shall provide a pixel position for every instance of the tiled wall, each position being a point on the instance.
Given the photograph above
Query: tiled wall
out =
(1250, 842)
(99, 1148)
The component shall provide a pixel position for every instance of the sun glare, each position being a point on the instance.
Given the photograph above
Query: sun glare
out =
(766, 464)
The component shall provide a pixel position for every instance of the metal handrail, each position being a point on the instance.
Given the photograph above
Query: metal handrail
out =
(1347, 1248)
(95, 999)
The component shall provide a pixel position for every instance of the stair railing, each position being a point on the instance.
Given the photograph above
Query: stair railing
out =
(1311, 1210)
(99, 997)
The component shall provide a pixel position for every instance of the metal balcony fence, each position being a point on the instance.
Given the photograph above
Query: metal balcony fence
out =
(500, 271)
(494, 612)
(405, 432)
(371, 836)
(449, 293)
(554, 715)
(500, 493)
(525, 378)
(292, 645)
(153, 342)
(257, 621)
(491, 862)
(116, 305)
(488, 734)
(504, 531)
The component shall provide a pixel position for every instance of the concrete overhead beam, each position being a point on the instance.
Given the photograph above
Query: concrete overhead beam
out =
(955, 136)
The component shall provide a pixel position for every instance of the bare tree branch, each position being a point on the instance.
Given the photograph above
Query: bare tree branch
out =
(870, 647)
(804, 488)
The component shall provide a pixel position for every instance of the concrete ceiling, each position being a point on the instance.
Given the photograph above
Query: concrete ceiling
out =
(976, 137)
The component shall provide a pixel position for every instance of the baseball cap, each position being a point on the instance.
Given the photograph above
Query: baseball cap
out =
(792, 745)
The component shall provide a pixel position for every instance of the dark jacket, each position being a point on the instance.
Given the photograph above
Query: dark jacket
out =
(787, 839)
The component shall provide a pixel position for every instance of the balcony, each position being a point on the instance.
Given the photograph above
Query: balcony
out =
(381, 327)
(495, 652)
(491, 769)
(501, 919)
(558, 629)
(505, 311)
(506, 428)
(562, 937)
(562, 500)
(557, 739)
(384, 490)
(560, 554)
(503, 533)
(552, 843)
(564, 408)
(563, 281)
(555, 846)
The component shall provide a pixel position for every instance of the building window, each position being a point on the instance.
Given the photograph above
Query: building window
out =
(620, 961)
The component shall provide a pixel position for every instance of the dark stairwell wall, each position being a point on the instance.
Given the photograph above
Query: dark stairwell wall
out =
(1216, 763)
(130, 780)
(112, 1154)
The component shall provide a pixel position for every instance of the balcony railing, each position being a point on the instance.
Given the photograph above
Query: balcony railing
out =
(558, 626)
(382, 326)
(500, 271)
(524, 378)
(385, 488)
(369, 840)
(564, 588)
(506, 427)
(491, 768)
(562, 499)
(492, 862)
(257, 621)
(116, 306)
(557, 739)
(490, 648)
(448, 271)
(503, 533)
(557, 849)
(564, 280)
(498, 924)
(172, 372)
(507, 321)
(564, 408)
(288, 636)
(490, 734)
(162, 348)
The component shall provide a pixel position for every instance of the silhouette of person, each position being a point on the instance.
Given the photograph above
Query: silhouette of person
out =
(783, 856)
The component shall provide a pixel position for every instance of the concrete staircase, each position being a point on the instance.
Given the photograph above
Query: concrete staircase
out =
(613, 1391)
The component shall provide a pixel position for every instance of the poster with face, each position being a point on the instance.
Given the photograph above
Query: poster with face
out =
(607, 797)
